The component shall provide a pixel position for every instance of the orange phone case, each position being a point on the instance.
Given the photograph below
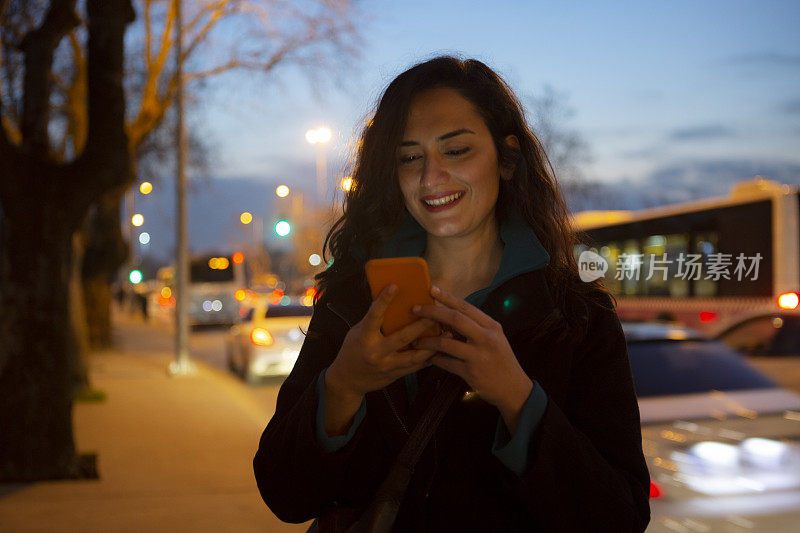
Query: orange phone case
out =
(410, 274)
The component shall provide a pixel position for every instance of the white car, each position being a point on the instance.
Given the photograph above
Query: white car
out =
(267, 341)
(721, 440)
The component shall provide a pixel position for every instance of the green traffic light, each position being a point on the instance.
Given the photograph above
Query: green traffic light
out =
(283, 228)
(135, 276)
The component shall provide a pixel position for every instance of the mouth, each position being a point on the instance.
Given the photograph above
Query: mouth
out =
(438, 203)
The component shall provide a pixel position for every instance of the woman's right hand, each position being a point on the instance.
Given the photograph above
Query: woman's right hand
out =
(368, 360)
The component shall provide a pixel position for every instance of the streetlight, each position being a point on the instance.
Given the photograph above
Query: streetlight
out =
(146, 187)
(319, 137)
(282, 191)
(246, 218)
(137, 220)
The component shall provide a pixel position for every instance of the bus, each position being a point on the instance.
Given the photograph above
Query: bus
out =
(217, 286)
(706, 264)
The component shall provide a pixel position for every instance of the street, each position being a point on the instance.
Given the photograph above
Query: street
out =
(206, 344)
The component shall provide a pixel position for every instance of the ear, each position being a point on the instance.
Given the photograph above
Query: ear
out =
(507, 172)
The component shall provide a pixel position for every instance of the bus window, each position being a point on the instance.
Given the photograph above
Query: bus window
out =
(655, 269)
(705, 244)
(201, 271)
(610, 253)
(630, 270)
(677, 244)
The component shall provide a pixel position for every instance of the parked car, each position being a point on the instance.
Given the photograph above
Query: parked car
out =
(721, 440)
(267, 341)
(773, 334)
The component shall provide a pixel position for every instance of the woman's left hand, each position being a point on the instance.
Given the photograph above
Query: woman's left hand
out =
(484, 359)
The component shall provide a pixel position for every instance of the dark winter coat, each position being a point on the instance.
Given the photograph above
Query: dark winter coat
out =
(585, 467)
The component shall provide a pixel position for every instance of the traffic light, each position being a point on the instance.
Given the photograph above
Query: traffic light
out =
(135, 276)
(283, 228)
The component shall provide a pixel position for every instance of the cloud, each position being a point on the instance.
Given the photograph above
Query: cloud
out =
(687, 180)
(765, 58)
(790, 107)
(648, 152)
(703, 132)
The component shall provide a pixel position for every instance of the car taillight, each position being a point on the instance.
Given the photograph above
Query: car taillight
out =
(788, 300)
(655, 490)
(240, 295)
(261, 337)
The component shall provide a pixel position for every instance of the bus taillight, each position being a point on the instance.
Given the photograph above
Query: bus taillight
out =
(788, 300)
(707, 316)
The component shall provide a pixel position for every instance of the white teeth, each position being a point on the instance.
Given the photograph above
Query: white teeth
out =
(444, 200)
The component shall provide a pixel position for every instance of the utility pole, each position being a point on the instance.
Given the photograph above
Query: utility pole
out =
(182, 365)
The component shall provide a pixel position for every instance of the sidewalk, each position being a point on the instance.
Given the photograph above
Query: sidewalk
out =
(174, 453)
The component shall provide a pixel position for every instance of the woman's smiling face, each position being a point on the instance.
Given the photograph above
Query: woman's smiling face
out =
(447, 165)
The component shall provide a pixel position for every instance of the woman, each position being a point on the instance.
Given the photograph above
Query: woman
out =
(548, 437)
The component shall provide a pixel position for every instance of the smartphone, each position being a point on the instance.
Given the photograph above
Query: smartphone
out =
(410, 274)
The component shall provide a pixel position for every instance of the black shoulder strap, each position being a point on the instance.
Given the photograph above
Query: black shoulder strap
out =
(382, 511)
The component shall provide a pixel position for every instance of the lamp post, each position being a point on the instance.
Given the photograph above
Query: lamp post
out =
(319, 137)
(182, 365)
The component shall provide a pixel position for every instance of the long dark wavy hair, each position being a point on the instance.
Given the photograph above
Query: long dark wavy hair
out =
(374, 206)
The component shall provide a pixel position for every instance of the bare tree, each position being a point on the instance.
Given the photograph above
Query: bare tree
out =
(45, 198)
(220, 36)
(566, 148)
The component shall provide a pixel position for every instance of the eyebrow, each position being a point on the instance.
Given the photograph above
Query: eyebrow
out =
(441, 137)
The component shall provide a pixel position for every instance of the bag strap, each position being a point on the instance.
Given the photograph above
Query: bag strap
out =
(382, 511)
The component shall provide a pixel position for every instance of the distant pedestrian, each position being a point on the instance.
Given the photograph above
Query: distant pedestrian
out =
(141, 301)
(547, 435)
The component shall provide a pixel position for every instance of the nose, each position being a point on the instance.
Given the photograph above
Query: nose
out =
(434, 172)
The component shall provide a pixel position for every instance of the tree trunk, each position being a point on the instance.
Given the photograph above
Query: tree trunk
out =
(106, 252)
(79, 342)
(36, 405)
(44, 203)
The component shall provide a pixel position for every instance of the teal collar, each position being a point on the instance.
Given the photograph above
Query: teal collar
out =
(522, 252)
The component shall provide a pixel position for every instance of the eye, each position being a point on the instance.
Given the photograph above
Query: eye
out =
(460, 151)
(406, 159)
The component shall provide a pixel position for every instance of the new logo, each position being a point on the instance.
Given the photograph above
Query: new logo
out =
(591, 266)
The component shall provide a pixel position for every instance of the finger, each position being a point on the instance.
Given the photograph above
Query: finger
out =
(411, 358)
(451, 317)
(407, 335)
(406, 370)
(451, 364)
(452, 347)
(480, 318)
(374, 317)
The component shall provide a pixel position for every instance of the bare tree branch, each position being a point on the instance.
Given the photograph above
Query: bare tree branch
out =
(263, 66)
(76, 109)
(39, 46)
(3, 7)
(219, 12)
(148, 33)
(6, 149)
(163, 52)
